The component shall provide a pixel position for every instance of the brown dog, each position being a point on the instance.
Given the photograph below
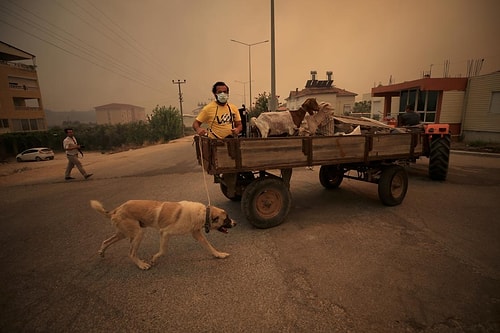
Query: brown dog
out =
(170, 218)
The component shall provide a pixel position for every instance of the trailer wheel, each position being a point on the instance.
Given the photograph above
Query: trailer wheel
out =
(439, 157)
(266, 202)
(392, 185)
(331, 176)
(244, 178)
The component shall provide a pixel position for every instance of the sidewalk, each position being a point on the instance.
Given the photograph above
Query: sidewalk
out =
(462, 148)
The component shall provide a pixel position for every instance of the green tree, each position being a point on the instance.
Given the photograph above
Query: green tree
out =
(362, 107)
(165, 123)
(261, 104)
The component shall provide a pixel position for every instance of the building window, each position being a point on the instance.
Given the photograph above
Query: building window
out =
(4, 123)
(41, 124)
(33, 125)
(407, 97)
(495, 102)
(26, 125)
(423, 102)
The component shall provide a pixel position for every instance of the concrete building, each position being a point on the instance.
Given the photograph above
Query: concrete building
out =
(324, 91)
(437, 100)
(471, 106)
(115, 113)
(377, 105)
(21, 108)
(481, 116)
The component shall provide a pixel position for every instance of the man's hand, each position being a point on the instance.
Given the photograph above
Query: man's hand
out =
(201, 132)
(237, 128)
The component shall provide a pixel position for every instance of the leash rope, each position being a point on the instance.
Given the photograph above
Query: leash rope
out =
(203, 170)
(207, 210)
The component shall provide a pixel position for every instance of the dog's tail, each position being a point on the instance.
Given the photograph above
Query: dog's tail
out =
(99, 208)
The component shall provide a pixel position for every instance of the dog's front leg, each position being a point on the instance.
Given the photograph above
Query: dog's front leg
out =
(135, 241)
(203, 241)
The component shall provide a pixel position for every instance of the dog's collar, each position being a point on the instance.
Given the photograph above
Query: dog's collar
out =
(207, 219)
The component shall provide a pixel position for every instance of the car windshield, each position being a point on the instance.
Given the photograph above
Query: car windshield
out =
(45, 150)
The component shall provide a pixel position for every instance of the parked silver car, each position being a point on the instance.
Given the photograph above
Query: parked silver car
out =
(35, 154)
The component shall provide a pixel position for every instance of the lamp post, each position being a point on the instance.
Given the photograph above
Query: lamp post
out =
(250, 64)
(244, 90)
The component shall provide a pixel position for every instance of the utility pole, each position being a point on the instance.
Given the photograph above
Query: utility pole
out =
(273, 105)
(179, 82)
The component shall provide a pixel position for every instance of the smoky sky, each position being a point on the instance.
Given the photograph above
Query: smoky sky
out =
(91, 53)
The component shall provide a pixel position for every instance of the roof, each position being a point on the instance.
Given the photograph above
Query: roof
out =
(425, 84)
(319, 90)
(117, 106)
(11, 53)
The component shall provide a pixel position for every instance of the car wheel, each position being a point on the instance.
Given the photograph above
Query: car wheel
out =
(38, 159)
(19, 159)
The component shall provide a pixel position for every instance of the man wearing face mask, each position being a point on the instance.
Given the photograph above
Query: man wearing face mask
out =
(223, 118)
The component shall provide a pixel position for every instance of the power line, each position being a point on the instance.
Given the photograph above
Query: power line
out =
(77, 55)
(124, 71)
(136, 72)
(112, 61)
(138, 47)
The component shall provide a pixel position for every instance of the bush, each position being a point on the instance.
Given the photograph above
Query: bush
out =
(162, 126)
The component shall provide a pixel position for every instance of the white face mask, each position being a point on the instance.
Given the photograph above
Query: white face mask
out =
(222, 97)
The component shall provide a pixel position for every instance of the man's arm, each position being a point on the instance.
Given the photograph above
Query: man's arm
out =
(198, 129)
(70, 145)
(238, 127)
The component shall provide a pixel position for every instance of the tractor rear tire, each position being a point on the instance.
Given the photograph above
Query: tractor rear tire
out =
(439, 157)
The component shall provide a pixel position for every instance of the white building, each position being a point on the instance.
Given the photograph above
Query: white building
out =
(324, 91)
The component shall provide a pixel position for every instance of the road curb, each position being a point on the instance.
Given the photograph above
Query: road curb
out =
(475, 153)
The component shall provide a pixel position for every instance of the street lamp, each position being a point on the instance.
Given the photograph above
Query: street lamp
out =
(244, 90)
(250, 64)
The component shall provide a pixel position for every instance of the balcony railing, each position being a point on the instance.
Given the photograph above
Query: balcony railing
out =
(27, 108)
(22, 87)
(30, 68)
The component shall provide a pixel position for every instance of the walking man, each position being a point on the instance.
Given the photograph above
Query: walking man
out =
(72, 149)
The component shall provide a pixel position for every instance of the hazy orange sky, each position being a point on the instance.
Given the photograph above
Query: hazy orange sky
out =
(95, 52)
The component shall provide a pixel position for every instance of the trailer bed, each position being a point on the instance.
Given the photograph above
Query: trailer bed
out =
(253, 154)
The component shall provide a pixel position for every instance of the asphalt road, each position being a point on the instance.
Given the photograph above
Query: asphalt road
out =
(341, 262)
